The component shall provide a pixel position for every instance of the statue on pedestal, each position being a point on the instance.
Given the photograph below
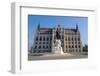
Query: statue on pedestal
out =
(57, 49)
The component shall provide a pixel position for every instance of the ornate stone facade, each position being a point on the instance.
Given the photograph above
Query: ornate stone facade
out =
(45, 38)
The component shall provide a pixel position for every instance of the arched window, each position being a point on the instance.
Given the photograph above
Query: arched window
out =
(69, 38)
(69, 46)
(75, 38)
(36, 38)
(43, 42)
(78, 39)
(35, 42)
(39, 47)
(72, 39)
(66, 38)
(62, 37)
(50, 46)
(75, 46)
(47, 47)
(44, 38)
(47, 42)
(43, 46)
(35, 47)
(47, 38)
(40, 38)
(51, 38)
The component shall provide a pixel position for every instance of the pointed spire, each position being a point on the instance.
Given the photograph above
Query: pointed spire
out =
(38, 27)
(59, 25)
(76, 26)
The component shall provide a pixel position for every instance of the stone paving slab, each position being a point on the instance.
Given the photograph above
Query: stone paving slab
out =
(55, 56)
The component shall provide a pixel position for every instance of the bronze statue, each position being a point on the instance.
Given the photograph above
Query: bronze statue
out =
(58, 33)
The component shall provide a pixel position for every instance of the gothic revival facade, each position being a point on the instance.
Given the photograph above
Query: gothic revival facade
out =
(45, 38)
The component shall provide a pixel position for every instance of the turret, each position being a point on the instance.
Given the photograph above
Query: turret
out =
(76, 26)
(38, 27)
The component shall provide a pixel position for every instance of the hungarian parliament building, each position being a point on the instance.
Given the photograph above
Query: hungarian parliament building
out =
(45, 37)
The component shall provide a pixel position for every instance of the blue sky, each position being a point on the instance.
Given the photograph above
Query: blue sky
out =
(52, 21)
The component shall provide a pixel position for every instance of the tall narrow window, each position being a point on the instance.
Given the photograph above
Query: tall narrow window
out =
(78, 39)
(36, 38)
(35, 42)
(62, 37)
(51, 38)
(47, 42)
(50, 46)
(66, 38)
(75, 46)
(47, 38)
(69, 38)
(43, 42)
(40, 38)
(75, 39)
(44, 38)
(39, 47)
(43, 47)
(35, 47)
(72, 39)
(69, 46)
(47, 47)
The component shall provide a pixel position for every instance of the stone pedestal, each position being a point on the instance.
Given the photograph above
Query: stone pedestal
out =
(57, 49)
